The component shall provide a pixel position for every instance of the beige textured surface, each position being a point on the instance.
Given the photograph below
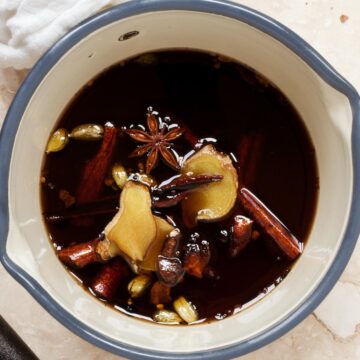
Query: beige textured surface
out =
(332, 332)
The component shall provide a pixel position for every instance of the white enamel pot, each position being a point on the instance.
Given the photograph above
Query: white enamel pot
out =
(328, 104)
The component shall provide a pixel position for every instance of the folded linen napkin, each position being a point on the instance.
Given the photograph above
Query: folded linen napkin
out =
(29, 27)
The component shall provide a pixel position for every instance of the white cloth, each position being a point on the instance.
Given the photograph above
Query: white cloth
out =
(29, 27)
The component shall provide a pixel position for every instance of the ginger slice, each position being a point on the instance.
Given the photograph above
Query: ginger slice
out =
(163, 228)
(210, 202)
(133, 228)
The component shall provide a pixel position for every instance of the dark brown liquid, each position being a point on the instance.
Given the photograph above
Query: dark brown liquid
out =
(218, 100)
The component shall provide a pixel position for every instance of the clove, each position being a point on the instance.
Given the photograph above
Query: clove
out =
(196, 258)
(169, 267)
(241, 234)
(160, 294)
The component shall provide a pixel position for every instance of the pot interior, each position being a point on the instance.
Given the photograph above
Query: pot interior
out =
(325, 112)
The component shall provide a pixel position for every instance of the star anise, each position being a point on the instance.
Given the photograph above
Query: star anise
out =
(156, 142)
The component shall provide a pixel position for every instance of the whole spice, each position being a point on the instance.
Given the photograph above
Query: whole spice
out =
(164, 195)
(119, 175)
(167, 317)
(196, 258)
(186, 310)
(241, 234)
(138, 285)
(95, 170)
(107, 281)
(80, 255)
(156, 143)
(160, 294)
(286, 241)
(167, 194)
(187, 182)
(169, 267)
(106, 205)
(170, 270)
(169, 200)
(249, 154)
(58, 140)
(89, 132)
(109, 205)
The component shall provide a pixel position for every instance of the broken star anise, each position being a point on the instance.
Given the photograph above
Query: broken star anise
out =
(156, 142)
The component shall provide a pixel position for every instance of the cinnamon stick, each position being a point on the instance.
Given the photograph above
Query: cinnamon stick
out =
(107, 205)
(187, 182)
(107, 281)
(270, 224)
(170, 200)
(96, 169)
(182, 183)
(244, 151)
(80, 255)
(249, 153)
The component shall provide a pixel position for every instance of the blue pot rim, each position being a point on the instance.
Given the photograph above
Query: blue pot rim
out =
(231, 10)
